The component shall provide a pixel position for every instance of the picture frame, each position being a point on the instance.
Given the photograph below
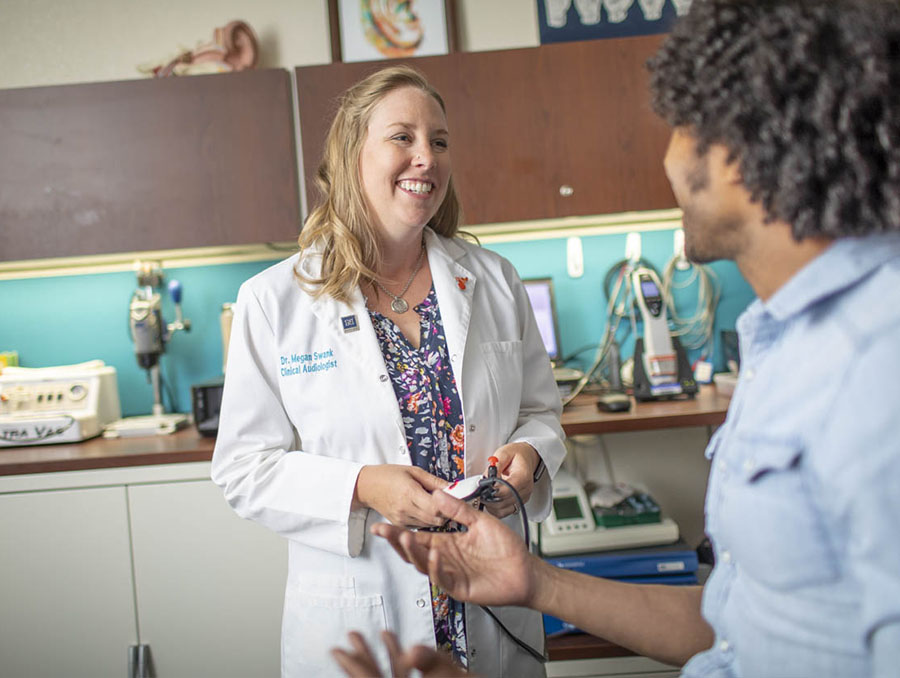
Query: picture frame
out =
(571, 20)
(374, 30)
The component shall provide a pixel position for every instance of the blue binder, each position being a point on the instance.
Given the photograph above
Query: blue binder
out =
(677, 558)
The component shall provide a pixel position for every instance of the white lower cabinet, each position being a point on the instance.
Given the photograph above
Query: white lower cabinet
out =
(613, 667)
(66, 594)
(95, 563)
(210, 586)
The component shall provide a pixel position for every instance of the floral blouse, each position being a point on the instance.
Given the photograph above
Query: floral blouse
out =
(432, 417)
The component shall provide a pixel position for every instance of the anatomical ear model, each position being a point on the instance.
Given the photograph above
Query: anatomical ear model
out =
(392, 26)
(233, 48)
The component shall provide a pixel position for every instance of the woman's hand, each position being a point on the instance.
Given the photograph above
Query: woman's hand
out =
(359, 663)
(402, 494)
(516, 465)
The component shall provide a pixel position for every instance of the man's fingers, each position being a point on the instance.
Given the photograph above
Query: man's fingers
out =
(454, 509)
(399, 665)
(350, 665)
(392, 533)
(437, 573)
(358, 665)
(416, 547)
(433, 663)
(359, 643)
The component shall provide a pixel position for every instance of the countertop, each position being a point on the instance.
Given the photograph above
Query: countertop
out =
(580, 417)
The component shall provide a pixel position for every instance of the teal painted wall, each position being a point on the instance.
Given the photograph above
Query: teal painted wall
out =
(71, 319)
(582, 303)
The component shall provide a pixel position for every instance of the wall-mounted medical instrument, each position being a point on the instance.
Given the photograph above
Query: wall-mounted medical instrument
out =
(661, 367)
(150, 334)
(65, 404)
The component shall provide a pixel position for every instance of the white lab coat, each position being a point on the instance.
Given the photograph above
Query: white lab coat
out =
(308, 402)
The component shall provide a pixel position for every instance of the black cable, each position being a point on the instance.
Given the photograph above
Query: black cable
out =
(488, 494)
(542, 658)
(616, 267)
(485, 482)
(574, 354)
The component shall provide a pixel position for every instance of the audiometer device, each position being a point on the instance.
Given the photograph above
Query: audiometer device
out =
(572, 528)
(64, 404)
(661, 367)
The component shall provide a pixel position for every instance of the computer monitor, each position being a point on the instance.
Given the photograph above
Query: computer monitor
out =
(540, 292)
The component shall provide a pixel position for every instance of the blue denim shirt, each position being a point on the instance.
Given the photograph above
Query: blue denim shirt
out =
(803, 505)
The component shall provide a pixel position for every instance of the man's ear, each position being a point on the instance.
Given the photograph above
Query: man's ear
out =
(732, 167)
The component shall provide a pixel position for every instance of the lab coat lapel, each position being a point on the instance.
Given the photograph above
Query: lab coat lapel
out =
(361, 345)
(454, 286)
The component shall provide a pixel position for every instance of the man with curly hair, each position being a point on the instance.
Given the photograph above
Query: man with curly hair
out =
(785, 158)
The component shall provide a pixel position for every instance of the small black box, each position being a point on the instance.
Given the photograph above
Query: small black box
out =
(206, 400)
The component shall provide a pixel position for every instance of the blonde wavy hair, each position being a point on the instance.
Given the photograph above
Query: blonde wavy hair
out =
(339, 223)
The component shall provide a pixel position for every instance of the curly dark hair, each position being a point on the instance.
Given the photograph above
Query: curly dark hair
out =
(804, 94)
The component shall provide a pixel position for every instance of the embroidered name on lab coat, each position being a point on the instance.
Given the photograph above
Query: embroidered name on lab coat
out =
(308, 363)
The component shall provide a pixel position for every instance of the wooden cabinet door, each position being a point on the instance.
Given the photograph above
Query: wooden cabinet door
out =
(112, 167)
(495, 128)
(603, 143)
(525, 123)
(65, 582)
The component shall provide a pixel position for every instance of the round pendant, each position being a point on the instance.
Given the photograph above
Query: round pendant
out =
(399, 305)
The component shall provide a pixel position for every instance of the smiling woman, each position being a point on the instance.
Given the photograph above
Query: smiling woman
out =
(423, 340)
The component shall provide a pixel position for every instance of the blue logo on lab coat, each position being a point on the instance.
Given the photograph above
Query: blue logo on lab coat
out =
(349, 323)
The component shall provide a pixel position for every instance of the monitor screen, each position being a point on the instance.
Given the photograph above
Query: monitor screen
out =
(566, 508)
(540, 292)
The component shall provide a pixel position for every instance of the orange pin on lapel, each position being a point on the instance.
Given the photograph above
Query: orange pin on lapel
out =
(461, 282)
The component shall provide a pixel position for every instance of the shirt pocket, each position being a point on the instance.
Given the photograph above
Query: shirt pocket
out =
(318, 614)
(777, 534)
(504, 363)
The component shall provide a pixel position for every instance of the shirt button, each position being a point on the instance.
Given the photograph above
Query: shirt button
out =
(474, 652)
(453, 358)
(749, 374)
(726, 557)
(471, 428)
(420, 602)
(724, 645)
(383, 377)
(722, 465)
(749, 464)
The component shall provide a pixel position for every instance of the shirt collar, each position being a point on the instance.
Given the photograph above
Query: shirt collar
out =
(843, 264)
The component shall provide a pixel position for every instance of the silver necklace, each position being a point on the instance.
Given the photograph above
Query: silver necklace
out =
(399, 304)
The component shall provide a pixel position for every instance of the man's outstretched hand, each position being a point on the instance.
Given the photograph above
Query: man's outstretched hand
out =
(360, 663)
(488, 564)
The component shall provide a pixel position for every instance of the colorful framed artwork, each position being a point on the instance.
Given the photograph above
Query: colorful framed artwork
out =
(370, 30)
(567, 20)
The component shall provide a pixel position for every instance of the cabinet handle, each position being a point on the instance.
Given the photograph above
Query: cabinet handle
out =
(565, 190)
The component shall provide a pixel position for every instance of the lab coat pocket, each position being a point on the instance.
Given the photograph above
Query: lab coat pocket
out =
(317, 620)
(780, 536)
(504, 363)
